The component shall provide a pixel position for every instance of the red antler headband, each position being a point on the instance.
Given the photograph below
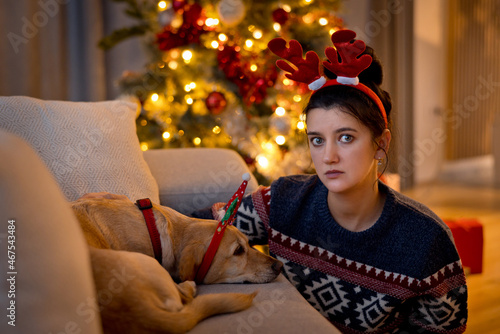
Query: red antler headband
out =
(307, 70)
(230, 212)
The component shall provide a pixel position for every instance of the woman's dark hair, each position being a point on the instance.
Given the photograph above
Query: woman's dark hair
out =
(355, 102)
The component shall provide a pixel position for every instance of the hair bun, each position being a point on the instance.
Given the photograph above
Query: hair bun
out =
(373, 74)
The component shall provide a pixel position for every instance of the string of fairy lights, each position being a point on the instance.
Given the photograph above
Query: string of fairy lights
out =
(211, 82)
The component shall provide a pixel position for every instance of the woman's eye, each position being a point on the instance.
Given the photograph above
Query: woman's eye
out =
(317, 141)
(346, 138)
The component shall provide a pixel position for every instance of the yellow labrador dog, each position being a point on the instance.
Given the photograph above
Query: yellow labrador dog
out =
(147, 299)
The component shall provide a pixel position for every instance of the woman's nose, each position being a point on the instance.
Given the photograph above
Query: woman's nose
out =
(330, 155)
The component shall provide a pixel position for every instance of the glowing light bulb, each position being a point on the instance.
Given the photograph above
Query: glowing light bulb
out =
(144, 146)
(216, 129)
(248, 43)
(301, 125)
(187, 55)
(192, 85)
(154, 97)
(162, 5)
(173, 65)
(253, 67)
(166, 135)
(257, 34)
(214, 44)
(262, 161)
(280, 111)
(280, 140)
(323, 21)
(189, 99)
(297, 98)
(197, 141)
(210, 22)
(276, 26)
(222, 37)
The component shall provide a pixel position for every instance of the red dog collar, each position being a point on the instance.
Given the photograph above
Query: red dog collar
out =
(146, 207)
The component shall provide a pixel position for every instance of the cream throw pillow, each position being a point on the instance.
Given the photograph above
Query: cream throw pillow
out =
(88, 146)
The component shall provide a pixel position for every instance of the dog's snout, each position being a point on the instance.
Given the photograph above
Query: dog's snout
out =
(277, 266)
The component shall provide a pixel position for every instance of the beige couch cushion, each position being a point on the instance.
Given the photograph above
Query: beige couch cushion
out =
(52, 287)
(87, 146)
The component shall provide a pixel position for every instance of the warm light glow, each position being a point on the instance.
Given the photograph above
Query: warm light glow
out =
(262, 161)
(175, 53)
(267, 146)
(297, 98)
(331, 31)
(214, 44)
(189, 99)
(287, 82)
(287, 8)
(154, 97)
(308, 1)
(173, 65)
(280, 111)
(181, 133)
(216, 129)
(222, 37)
(248, 43)
(280, 140)
(323, 21)
(144, 122)
(257, 34)
(162, 5)
(301, 125)
(276, 26)
(187, 88)
(210, 22)
(144, 146)
(197, 141)
(308, 18)
(192, 85)
(253, 67)
(166, 135)
(187, 55)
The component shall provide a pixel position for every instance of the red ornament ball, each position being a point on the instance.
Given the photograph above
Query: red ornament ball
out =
(280, 16)
(216, 102)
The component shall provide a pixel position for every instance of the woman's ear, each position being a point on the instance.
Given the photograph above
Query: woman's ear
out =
(383, 143)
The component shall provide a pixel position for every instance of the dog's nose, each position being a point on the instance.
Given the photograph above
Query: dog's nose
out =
(277, 266)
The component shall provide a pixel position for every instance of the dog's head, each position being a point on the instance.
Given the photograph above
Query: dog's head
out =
(235, 261)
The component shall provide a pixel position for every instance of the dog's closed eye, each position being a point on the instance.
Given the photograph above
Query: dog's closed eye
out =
(240, 250)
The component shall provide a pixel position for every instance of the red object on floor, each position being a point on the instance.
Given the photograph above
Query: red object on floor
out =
(468, 235)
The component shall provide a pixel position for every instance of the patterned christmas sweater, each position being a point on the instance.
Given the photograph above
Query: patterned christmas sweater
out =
(402, 275)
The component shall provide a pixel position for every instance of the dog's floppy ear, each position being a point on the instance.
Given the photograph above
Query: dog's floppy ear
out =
(190, 261)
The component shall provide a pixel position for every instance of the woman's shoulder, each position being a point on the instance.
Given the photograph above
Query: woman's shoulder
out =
(417, 215)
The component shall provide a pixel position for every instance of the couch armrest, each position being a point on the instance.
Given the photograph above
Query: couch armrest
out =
(51, 289)
(194, 178)
(278, 308)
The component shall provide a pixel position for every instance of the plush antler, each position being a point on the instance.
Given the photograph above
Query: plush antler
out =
(349, 51)
(306, 70)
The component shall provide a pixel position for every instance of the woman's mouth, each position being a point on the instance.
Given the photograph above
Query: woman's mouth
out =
(332, 174)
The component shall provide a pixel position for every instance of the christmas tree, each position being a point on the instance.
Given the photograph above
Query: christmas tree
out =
(212, 82)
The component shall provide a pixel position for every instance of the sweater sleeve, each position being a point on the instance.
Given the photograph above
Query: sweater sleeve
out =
(441, 306)
(252, 217)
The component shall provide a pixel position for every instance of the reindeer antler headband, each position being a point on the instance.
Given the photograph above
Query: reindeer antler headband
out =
(307, 70)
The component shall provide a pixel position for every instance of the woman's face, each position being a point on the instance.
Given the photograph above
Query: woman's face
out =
(342, 150)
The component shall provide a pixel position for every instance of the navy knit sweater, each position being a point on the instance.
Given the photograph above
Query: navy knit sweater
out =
(401, 275)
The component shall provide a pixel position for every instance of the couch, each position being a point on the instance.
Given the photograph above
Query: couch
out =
(52, 152)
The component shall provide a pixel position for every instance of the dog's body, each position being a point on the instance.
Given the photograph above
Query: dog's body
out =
(147, 299)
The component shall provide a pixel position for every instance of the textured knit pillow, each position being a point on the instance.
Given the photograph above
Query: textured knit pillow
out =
(88, 146)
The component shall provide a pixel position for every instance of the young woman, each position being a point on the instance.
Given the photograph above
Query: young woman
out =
(365, 256)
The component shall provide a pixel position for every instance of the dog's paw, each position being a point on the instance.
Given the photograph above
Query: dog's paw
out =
(187, 290)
